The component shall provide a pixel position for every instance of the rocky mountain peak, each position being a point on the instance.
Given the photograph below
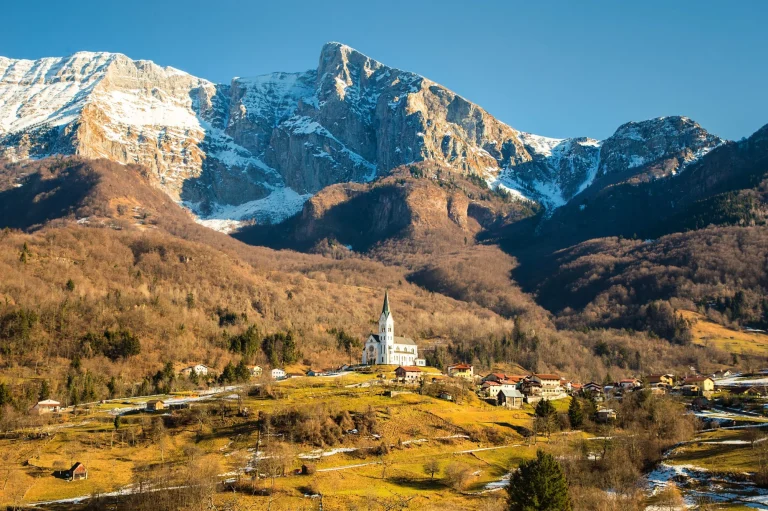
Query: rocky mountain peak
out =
(259, 147)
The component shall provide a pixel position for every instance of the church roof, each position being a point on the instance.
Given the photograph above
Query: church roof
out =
(398, 340)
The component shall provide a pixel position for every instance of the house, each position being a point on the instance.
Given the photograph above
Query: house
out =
(595, 390)
(445, 396)
(606, 415)
(725, 373)
(497, 377)
(629, 384)
(408, 374)
(46, 406)
(77, 472)
(312, 372)
(386, 348)
(660, 379)
(704, 383)
(155, 405)
(512, 398)
(492, 388)
(465, 371)
(277, 374)
(198, 369)
(256, 371)
(550, 385)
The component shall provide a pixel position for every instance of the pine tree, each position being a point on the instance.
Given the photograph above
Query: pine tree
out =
(539, 485)
(45, 390)
(575, 414)
(545, 409)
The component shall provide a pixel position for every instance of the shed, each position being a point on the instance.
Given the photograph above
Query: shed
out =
(77, 472)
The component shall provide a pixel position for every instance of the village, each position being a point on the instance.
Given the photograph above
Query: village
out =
(367, 416)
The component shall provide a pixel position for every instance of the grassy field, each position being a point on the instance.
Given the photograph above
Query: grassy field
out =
(419, 428)
(709, 333)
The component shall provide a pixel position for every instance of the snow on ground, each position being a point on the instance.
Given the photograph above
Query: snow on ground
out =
(742, 381)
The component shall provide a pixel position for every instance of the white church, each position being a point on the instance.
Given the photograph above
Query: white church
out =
(386, 348)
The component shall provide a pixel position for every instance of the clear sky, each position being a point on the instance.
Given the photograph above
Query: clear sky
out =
(570, 68)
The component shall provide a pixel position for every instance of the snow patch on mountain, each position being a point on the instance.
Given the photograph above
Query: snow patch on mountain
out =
(50, 91)
(279, 205)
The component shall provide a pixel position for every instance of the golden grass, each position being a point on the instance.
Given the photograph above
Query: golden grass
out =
(708, 333)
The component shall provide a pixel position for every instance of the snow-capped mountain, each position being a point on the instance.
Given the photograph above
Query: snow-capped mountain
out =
(260, 147)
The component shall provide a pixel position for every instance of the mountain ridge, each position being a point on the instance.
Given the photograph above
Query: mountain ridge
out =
(258, 147)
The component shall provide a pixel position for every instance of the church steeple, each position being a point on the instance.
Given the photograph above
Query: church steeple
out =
(386, 327)
(385, 309)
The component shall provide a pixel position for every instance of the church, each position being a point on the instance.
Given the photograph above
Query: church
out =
(386, 348)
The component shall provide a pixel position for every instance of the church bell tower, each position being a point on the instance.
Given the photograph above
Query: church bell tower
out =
(386, 329)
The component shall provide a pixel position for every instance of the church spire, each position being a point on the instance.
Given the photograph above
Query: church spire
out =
(385, 309)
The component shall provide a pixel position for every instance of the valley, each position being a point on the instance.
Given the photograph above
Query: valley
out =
(192, 279)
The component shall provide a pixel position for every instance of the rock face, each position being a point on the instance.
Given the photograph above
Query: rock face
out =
(260, 147)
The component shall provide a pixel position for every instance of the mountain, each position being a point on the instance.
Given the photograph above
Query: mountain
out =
(258, 148)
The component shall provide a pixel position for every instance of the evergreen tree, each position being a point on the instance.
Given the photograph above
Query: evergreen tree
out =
(545, 409)
(575, 415)
(539, 485)
(242, 373)
(45, 391)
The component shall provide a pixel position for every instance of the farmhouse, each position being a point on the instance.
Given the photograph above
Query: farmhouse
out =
(46, 406)
(155, 405)
(277, 374)
(386, 348)
(256, 371)
(465, 371)
(408, 374)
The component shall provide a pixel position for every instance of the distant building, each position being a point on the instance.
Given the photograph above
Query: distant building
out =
(155, 405)
(256, 371)
(725, 373)
(497, 377)
(550, 385)
(277, 374)
(660, 379)
(465, 371)
(46, 406)
(198, 369)
(492, 388)
(386, 348)
(698, 384)
(606, 415)
(77, 472)
(511, 398)
(408, 374)
(629, 384)
(312, 372)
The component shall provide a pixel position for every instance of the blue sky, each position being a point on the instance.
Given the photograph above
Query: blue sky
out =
(552, 68)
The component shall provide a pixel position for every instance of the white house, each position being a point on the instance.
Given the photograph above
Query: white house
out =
(386, 348)
(277, 374)
(492, 388)
(198, 369)
(46, 406)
